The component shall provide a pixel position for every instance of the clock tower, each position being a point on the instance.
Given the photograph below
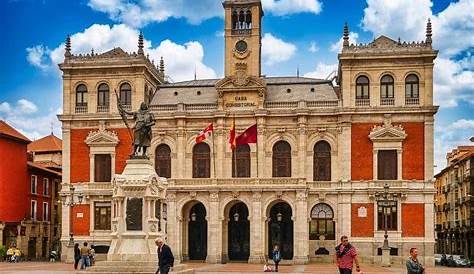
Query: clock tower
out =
(243, 37)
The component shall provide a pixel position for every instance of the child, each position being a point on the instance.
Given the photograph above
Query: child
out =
(267, 268)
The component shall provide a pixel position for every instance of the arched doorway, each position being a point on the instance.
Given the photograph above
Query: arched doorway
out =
(197, 232)
(238, 237)
(280, 230)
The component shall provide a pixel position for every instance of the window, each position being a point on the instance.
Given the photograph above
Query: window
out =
(201, 161)
(33, 209)
(241, 161)
(126, 94)
(102, 215)
(81, 95)
(45, 187)
(386, 87)
(102, 168)
(281, 159)
(322, 161)
(391, 212)
(387, 165)
(45, 211)
(362, 87)
(34, 184)
(411, 86)
(163, 161)
(103, 95)
(322, 223)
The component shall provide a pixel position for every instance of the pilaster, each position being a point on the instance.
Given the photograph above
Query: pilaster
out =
(214, 234)
(257, 232)
(301, 229)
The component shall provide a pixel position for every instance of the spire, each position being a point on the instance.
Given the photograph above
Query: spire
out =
(345, 43)
(67, 53)
(140, 44)
(162, 66)
(195, 73)
(297, 71)
(428, 32)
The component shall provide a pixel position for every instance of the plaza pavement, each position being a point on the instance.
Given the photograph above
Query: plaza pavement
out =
(202, 268)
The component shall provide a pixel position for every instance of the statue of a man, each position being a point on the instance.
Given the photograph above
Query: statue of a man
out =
(142, 134)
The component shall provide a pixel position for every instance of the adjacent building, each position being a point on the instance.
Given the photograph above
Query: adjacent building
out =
(28, 197)
(454, 198)
(324, 149)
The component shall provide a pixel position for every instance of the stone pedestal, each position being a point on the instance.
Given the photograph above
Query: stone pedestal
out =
(135, 224)
(386, 257)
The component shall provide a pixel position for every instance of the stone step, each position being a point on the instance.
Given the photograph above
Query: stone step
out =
(107, 267)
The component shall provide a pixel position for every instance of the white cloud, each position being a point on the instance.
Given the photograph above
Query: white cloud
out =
(180, 60)
(313, 47)
(37, 56)
(448, 137)
(138, 13)
(453, 82)
(336, 47)
(275, 50)
(23, 116)
(322, 71)
(285, 7)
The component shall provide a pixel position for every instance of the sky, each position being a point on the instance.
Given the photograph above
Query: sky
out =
(304, 34)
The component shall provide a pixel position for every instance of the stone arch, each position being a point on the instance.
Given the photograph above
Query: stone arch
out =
(236, 247)
(102, 82)
(123, 81)
(279, 227)
(273, 199)
(417, 73)
(275, 137)
(186, 204)
(362, 73)
(229, 201)
(316, 137)
(171, 142)
(80, 82)
(387, 72)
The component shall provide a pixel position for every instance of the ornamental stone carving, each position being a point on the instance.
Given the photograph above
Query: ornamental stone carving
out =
(171, 197)
(256, 196)
(235, 194)
(301, 196)
(214, 196)
(192, 195)
(387, 132)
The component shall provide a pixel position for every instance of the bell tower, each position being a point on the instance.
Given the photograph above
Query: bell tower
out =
(243, 37)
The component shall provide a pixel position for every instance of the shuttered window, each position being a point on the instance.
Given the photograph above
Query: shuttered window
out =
(387, 165)
(163, 161)
(241, 161)
(201, 161)
(281, 159)
(102, 215)
(102, 168)
(322, 162)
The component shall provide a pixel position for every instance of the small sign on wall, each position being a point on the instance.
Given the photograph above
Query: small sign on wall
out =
(362, 212)
(79, 215)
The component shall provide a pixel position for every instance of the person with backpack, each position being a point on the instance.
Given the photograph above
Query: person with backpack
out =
(276, 256)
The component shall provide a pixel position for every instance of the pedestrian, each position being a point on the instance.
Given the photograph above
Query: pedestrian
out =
(346, 255)
(10, 253)
(276, 256)
(77, 255)
(92, 256)
(85, 250)
(413, 265)
(165, 257)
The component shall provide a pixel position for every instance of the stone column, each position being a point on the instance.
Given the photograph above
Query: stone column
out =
(261, 139)
(180, 152)
(301, 234)
(173, 230)
(214, 233)
(220, 146)
(2, 226)
(302, 148)
(257, 230)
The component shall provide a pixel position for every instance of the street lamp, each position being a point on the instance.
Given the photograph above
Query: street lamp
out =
(279, 217)
(236, 217)
(386, 201)
(71, 203)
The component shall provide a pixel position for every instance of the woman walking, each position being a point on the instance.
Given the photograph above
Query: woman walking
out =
(77, 255)
(276, 256)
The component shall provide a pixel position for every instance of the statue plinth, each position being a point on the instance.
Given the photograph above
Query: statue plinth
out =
(138, 194)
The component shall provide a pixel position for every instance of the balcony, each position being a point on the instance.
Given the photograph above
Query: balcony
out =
(362, 102)
(247, 182)
(102, 108)
(81, 108)
(387, 101)
(412, 101)
(241, 31)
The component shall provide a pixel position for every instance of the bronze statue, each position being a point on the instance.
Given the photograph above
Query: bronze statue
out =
(142, 132)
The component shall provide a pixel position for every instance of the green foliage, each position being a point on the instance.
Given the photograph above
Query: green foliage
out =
(3, 251)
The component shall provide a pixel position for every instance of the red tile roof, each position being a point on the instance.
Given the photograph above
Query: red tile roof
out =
(8, 131)
(40, 167)
(48, 143)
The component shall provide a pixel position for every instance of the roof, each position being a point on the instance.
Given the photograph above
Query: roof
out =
(40, 167)
(47, 143)
(456, 156)
(288, 89)
(8, 131)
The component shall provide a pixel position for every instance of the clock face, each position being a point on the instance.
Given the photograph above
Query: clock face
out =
(241, 46)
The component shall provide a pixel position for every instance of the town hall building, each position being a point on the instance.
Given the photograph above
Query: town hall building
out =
(325, 150)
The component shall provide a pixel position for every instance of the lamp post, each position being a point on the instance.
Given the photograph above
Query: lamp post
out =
(386, 201)
(71, 203)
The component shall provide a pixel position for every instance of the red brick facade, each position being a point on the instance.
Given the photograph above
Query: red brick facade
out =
(362, 226)
(414, 151)
(81, 219)
(413, 220)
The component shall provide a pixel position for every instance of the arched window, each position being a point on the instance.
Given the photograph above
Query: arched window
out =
(241, 161)
(235, 17)
(322, 222)
(248, 19)
(103, 98)
(281, 159)
(322, 161)
(386, 87)
(201, 161)
(126, 94)
(362, 88)
(412, 85)
(241, 19)
(81, 95)
(163, 161)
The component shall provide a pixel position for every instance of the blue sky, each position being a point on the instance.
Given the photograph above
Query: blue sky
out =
(188, 34)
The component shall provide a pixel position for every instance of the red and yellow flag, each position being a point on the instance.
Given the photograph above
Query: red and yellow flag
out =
(232, 140)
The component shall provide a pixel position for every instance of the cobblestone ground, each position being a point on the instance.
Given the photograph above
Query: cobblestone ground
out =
(201, 268)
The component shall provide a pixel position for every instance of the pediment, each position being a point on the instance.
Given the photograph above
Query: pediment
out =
(102, 137)
(115, 52)
(384, 42)
(387, 133)
(240, 81)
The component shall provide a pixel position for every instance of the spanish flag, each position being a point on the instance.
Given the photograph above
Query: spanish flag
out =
(232, 140)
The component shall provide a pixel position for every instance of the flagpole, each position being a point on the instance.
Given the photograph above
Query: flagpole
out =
(213, 153)
(234, 150)
(257, 145)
